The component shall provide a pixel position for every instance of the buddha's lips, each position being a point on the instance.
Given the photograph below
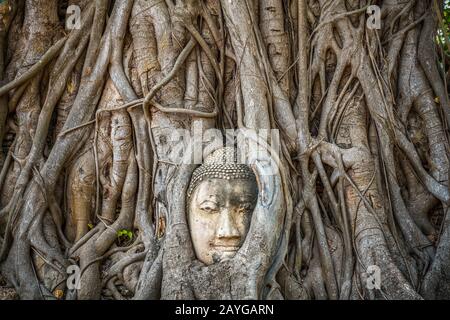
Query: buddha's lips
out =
(226, 248)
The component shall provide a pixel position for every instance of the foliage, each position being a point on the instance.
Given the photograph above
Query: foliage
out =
(125, 233)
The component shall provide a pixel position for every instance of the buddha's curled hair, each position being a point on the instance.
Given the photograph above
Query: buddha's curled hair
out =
(220, 164)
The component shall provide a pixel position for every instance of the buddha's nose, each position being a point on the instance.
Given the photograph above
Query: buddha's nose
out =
(227, 227)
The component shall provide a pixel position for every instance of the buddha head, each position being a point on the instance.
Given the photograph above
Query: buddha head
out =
(221, 198)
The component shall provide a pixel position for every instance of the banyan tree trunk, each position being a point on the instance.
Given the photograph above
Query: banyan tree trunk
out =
(88, 116)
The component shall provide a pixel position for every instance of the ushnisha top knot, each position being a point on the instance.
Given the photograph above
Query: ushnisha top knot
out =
(220, 164)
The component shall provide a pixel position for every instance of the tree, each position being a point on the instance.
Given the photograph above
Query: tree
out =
(92, 89)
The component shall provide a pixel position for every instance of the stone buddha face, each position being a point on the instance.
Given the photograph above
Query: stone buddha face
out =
(222, 198)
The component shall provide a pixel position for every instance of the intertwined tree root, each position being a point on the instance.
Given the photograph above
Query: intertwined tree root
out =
(363, 175)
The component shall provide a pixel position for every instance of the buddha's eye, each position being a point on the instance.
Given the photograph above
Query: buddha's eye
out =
(209, 207)
(245, 207)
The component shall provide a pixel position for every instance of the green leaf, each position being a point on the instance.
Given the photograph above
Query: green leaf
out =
(124, 232)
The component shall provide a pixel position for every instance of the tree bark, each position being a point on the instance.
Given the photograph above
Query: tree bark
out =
(94, 119)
